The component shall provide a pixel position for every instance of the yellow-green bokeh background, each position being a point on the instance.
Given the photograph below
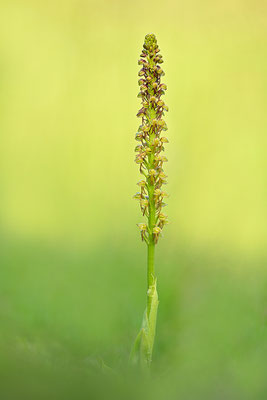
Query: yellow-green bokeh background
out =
(68, 79)
(68, 84)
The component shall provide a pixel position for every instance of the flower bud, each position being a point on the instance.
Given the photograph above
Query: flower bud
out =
(162, 220)
(158, 158)
(163, 86)
(164, 139)
(139, 160)
(152, 172)
(142, 227)
(141, 183)
(162, 217)
(162, 175)
(141, 112)
(137, 196)
(138, 147)
(161, 123)
(156, 230)
(146, 129)
(156, 142)
(144, 203)
(157, 192)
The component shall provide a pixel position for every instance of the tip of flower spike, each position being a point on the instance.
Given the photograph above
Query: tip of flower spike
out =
(150, 41)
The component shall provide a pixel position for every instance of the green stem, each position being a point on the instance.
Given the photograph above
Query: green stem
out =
(150, 272)
(151, 220)
(152, 296)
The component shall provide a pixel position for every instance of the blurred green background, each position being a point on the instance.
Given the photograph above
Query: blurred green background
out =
(72, 278)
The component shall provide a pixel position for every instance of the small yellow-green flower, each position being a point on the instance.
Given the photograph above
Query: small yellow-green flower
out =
(149, 155)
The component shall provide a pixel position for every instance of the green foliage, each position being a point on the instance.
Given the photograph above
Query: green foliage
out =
(212, 329)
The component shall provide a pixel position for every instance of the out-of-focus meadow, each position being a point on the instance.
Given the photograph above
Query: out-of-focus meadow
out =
(72, 278)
